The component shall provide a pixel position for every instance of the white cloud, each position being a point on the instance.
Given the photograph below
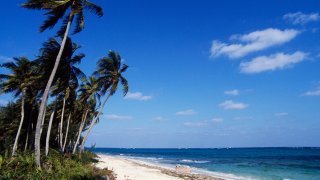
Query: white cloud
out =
(243, 118)
(159, 118)
(301, 18)
(281, 114)
(252, 42)
(137, 96)
(272, 62)
(229, 104)
(233, 92)
(3, 102)
(217, 120)
(312, 93)
(117, 117)
(5, 58)
(188, 112)
(203, 123)
(195, 124)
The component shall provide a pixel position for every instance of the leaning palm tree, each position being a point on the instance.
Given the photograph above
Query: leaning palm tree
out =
(109, 75)
(66, 80)
(89, 96)
(18, 81)
(68, 75)
(56, 10)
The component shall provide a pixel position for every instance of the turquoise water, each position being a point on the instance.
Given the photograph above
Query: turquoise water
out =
(248, 163)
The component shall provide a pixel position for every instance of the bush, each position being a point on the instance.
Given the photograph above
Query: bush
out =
(55, 166)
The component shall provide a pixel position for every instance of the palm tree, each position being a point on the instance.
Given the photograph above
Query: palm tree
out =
(66, 135)
(18, 82)
(89, 95)
(48, 132)
(56, 10)
(109, 75)
(68, 75)
(66, 80)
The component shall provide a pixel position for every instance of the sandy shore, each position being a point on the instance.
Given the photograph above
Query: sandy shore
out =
(128, 169)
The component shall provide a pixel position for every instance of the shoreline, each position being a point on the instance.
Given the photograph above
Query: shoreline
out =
(130, 169)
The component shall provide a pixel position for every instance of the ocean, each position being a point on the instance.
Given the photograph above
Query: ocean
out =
(234, 163)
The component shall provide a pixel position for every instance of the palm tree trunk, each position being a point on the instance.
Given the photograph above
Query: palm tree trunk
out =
(26, 144)
(66, 136)
(80, 130)
(42, 123)
(48, 133)
(15, 145)
(46, 93)
(93, 123)
(61, 123)
(28, 130)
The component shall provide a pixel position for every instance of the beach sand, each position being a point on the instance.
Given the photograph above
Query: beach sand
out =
(128, 169)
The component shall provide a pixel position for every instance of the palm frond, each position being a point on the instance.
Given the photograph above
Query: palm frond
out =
(9, 65)
(124, 68)
(79, 22)
(125, 85)
(40, 4)
(53, 17)
(93, 8)
(63, 28)
(77, 58)
(78, 73)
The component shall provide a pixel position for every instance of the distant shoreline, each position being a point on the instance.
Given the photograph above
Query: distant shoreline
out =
(289, 147)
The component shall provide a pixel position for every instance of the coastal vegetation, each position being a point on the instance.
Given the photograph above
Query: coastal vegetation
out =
(54, 101)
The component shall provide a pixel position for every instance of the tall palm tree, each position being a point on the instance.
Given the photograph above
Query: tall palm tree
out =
(48, 133)
(56, 10)
(110, 73)
(21, 77)
(68, 75)
(66, 80)
(89, 96)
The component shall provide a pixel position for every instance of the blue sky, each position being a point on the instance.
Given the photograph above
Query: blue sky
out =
(202, 73)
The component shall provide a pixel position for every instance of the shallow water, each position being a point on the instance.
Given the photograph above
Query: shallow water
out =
(234, 163)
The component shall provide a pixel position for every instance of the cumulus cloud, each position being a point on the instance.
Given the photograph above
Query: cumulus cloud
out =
(117, 117)
(216, 120)
(159, 118)
(205, 123)
(233, 92)
(272, 62)
(188, 112)
(137, 96)
(281, 114)
(252, 42)
(229, 104)
(243, 118)
(312, 93)
(301, 18)
(195, 124)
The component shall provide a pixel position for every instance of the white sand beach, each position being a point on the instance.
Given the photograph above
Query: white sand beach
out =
(128, 169)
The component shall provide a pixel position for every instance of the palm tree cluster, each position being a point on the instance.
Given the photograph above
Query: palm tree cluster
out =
(54, 76)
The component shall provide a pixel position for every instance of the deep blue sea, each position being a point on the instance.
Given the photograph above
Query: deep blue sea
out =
(235, 163)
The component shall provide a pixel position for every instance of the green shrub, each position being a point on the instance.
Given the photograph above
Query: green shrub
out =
(55, 166)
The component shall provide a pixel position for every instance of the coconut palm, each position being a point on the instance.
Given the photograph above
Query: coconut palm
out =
(110, 73)
(48, 133)
(56, 10)
(68, 75)
(66, 80)
(90, 98)
(21, 77)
